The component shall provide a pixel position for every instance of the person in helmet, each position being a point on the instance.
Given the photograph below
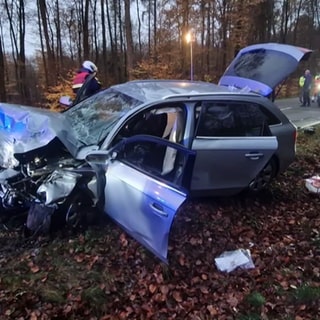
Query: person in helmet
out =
(86, 75)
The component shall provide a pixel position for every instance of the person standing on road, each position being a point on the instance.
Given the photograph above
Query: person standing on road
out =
(306, 88)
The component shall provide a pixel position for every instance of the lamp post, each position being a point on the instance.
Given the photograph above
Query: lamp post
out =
(189, 38)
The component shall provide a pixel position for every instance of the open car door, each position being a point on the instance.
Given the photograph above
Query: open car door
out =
(262, 67)
(145, 182)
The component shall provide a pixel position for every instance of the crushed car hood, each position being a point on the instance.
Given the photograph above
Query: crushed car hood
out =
(262, 67)
(23, 129)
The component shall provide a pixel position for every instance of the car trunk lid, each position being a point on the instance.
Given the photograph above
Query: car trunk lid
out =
(262, 67)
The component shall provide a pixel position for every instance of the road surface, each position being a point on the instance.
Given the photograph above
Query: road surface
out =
(302, 117)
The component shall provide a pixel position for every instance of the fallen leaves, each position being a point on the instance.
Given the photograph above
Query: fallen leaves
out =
(34, 269)
(177, 296)
(152, 288)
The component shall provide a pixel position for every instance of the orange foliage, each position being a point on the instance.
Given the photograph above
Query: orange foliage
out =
(63, 88)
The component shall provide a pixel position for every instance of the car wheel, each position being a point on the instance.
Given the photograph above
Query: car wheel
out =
(264, 178)
(81, 212)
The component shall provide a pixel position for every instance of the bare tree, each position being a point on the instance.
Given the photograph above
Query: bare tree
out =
(139, 25)
(85, 29)
(3, 95)
(129, 39)
(57, 21)
(49, 58)
(95, 35)
(16, 17)
(104, 40)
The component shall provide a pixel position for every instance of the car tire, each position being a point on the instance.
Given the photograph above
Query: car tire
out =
(264, 178)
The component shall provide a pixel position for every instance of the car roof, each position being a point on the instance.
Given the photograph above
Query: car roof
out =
(153, 90)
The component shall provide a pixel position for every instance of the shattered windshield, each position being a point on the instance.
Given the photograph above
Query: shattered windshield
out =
(93, 118)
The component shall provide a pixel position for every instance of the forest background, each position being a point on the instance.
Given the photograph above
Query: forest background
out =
(43, 42)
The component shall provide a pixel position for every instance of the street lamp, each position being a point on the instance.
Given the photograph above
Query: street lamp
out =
(189, 38)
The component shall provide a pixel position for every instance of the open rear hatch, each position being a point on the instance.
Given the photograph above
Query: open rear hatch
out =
(262, 67)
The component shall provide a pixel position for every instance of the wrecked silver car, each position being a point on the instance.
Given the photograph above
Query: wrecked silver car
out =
(137, 150)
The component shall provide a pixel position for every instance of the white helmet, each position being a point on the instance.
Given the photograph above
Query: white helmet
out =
(90, 66)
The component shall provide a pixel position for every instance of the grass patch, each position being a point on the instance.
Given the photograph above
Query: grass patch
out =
(95, 297)
(53, 295)
(252, 316)
(255, 300)
(306, 294)
(308, 144)
(254, 303)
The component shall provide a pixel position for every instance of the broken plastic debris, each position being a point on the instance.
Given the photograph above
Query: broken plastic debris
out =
(230, 260)
(313, 184)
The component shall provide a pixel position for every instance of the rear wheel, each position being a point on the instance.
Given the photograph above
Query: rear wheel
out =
(264, 178)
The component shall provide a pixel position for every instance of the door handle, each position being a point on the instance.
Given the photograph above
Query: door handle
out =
(254, 155)
(159, 209)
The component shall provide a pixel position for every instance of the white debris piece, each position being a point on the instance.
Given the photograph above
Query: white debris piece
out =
(313, 184)
(230, 260)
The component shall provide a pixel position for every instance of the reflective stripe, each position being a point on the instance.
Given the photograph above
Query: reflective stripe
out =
(77, 85)
(301, 81)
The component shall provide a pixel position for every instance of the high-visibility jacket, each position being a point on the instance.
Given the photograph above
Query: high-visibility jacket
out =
(301, 81)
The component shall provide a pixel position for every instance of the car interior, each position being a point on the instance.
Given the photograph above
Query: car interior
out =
(167, 122)
(227, 119)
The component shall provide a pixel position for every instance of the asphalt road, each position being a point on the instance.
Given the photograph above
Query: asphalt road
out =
(302, 117)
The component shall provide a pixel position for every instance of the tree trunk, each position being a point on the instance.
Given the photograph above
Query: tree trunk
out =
(104, 43)
(3, 95)
(121, 64)
(22, 56)
(155, 30)
(129, 39)
(50, 55)
(44, 60)
(95, 33)
(59, 52)
(85, 30)
(14, 43)
(139, 27)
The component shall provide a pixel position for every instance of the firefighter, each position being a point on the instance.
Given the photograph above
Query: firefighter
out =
(87, 68)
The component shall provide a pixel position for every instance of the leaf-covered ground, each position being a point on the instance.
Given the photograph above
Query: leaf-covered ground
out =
(103, 273)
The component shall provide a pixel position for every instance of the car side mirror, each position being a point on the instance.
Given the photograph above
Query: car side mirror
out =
(99, 157)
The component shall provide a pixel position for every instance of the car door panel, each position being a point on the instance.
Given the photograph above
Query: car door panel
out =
(143, 206)
(238, 160)
(138, 195)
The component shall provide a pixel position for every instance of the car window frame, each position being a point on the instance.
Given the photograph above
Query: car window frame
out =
(116, 135)
(271, 119)
(185, 182)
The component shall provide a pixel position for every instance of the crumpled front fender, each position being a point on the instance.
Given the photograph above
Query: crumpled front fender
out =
(59, 185)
